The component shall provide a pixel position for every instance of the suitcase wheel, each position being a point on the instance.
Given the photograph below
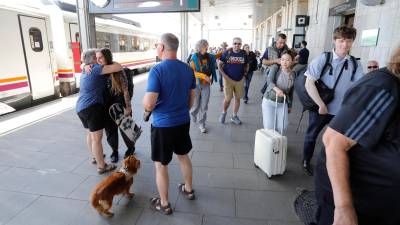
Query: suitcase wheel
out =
(256, 166)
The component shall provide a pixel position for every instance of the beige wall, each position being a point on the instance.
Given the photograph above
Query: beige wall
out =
(385, 17)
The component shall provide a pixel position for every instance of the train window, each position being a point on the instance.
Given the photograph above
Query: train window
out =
(122, 43)
(135, 43)
(35, 37)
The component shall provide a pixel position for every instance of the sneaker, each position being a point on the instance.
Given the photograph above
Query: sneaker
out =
(245, 100)
(221, 89)
(235, 120)
(222, 117)
(203, 129)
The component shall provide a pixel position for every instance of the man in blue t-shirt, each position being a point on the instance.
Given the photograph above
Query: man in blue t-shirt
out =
(233, 66)
(169, 96)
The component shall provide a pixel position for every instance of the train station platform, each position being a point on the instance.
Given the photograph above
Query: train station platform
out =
(46, 175)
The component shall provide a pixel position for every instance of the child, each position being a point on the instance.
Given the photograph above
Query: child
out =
(279, 85)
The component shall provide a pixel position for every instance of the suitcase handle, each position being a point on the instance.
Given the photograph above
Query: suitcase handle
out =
(276, 112)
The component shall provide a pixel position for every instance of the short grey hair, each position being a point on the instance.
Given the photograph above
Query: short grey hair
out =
(88, 56)
(200, 44)
(170, 42)
(237, 38)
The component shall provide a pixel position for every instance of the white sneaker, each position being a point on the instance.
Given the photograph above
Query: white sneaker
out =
(203, 129)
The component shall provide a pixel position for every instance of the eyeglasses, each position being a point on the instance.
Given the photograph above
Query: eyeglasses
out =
(237, 43)
(372, 67)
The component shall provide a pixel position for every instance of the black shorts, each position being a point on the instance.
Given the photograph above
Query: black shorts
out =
(168, 140)
(93, 117)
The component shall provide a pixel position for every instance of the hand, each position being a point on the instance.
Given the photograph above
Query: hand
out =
(278, 61)
(88, 69)
(208, 79)
(289, 110)
(128, 111)
(279, 92)
(345, 215)
(323, 110)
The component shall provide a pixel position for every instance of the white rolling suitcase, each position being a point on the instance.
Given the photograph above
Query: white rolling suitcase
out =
(270, 150)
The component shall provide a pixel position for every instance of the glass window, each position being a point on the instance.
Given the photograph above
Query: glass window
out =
(35, 37)
(122, 43)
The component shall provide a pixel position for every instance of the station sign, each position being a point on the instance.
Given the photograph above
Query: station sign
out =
(343, 8)
(142, 6)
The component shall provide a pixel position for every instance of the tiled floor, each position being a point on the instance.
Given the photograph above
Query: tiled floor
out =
(46, 175)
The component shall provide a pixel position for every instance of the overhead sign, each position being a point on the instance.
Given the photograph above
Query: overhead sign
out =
(343, 8)
(142, 6)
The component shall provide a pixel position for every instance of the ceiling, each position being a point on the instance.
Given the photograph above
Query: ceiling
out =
(236, 14)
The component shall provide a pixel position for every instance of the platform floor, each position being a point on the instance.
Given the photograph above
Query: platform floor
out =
(46, 175)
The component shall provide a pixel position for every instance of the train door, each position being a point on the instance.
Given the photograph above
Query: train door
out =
(76, 51)
(37, 56)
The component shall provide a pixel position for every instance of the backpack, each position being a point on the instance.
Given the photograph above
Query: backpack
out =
(325, 92)
(129, 77)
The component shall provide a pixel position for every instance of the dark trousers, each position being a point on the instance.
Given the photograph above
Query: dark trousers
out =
(220, 80)
(316, 122)
(112, 136)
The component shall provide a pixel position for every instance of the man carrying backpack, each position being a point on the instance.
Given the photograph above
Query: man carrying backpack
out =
(233, 66)
(272, 54)
(337, 73)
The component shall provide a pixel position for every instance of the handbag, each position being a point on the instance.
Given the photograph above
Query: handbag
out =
(125, 123)
(327, 94)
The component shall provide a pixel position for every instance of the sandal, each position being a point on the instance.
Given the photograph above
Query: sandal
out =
(155, 203)
(107, 168)
(94, 160)
(188, 195)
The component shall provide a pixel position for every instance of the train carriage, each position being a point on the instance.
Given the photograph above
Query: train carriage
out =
(41, 51)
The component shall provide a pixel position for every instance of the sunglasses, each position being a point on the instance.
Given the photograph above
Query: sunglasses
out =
(372, 67)
(237, 43)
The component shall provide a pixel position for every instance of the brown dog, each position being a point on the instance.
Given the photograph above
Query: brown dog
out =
(117, 183)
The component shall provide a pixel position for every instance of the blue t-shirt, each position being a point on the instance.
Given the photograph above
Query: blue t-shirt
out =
(314, 70)
(173, 81)
(234, 64)
(91, 88)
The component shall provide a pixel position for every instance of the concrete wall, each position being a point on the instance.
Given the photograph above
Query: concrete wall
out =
(386, 18)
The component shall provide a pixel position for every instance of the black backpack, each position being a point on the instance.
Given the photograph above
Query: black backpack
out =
(324, 91)
(129, 77)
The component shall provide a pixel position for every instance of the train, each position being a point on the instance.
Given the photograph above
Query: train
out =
(40, 57)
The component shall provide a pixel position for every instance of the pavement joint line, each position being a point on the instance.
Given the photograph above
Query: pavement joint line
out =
(84, 180)
(23, 209)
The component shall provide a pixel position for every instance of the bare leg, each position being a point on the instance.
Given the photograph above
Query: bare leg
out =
(187, 171)
(162, 180)
(89, 143)
(236, 106)
(226, 105)
(97, 148)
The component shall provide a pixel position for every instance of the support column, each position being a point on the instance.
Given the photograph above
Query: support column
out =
(87, 28)
(184, 35)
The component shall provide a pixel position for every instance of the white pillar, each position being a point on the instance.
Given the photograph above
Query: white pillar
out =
(87, 27)
(184, 35)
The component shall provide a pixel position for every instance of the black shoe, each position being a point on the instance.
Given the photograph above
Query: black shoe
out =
(114, 157)
(129, 152)
(307, 167)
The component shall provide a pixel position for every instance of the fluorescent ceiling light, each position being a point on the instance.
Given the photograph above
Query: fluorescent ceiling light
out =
(149, 4)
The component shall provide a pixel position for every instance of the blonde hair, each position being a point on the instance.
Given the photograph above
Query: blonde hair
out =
(394, 63)
(116, 85)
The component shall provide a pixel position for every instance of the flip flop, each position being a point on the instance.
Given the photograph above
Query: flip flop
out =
(107, 168)
(155, 203)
